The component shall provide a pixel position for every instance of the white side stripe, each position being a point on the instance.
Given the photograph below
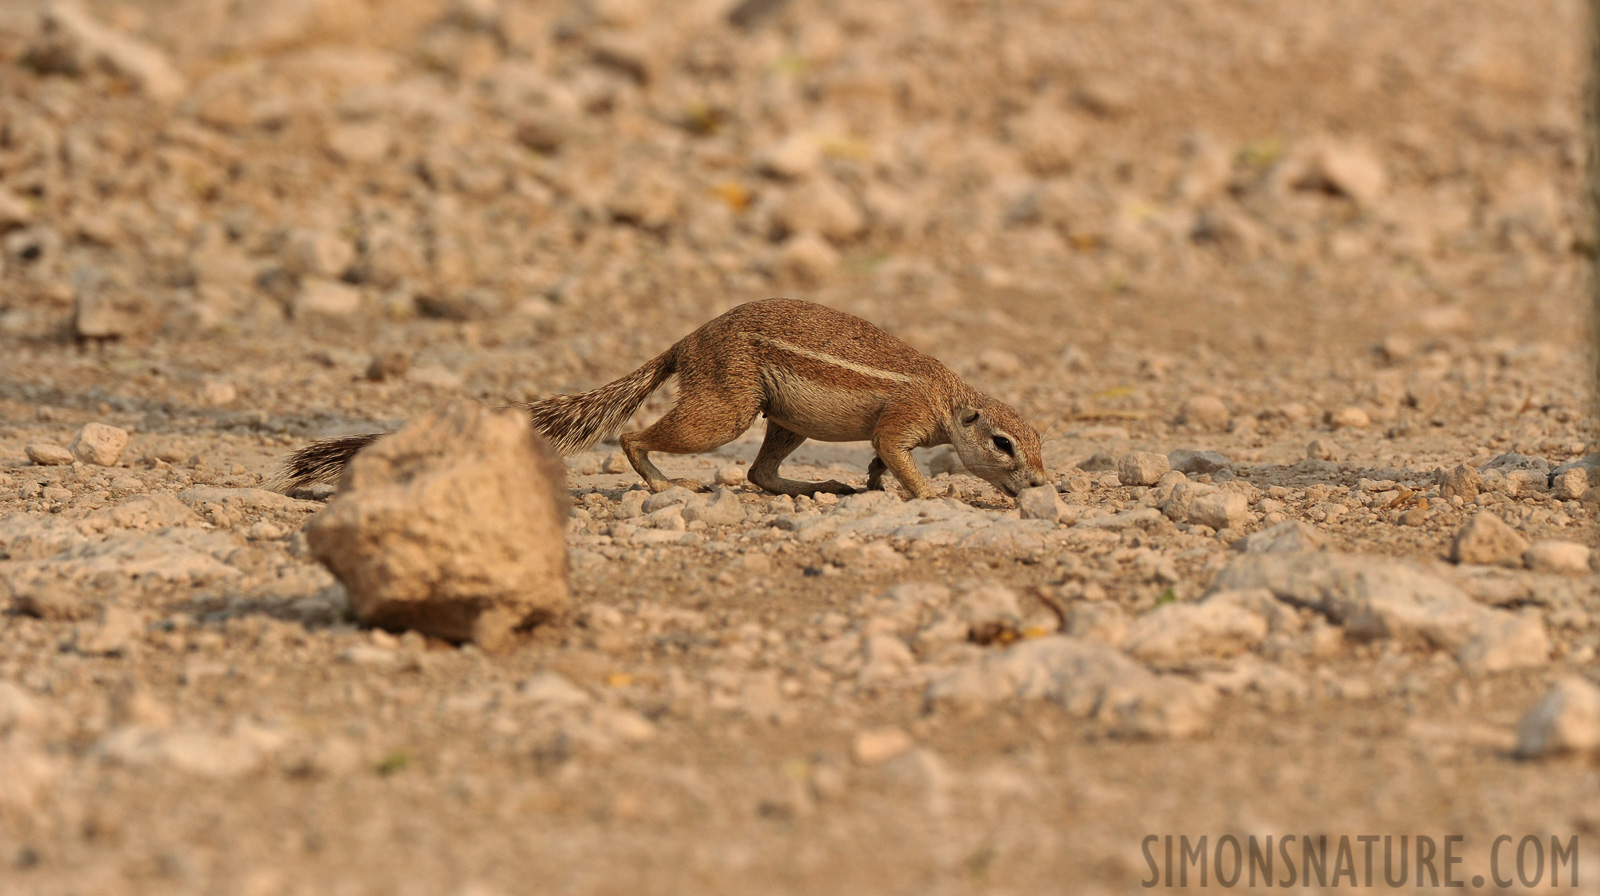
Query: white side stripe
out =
(835, 360)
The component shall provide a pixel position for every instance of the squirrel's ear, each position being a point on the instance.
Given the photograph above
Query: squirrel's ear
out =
(969, 416)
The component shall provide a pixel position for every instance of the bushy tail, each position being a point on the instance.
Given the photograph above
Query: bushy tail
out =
(570, 422)
(574, 422)
(319, 462)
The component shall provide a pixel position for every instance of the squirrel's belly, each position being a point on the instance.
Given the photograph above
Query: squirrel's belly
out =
(827, 415)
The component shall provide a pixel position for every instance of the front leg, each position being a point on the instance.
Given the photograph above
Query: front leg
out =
(902, 427)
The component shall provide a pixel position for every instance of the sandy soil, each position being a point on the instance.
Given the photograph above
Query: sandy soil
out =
(1338, 244)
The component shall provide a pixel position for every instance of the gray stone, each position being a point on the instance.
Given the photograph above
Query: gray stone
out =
(1188, 460)
(1288, 537)
(1086, 678)
(1565, 720)
(1143, 468)
(1380, 597)
(453, 526)
(676, 495)
(1486, 539)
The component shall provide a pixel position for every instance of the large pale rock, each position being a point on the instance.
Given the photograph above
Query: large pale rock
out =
(1565, 720)
(452, 526)
(1487, 539)
(1379, 597)
(1088, 679)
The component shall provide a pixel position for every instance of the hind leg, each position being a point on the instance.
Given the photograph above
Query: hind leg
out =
(875, 471)
(779, 444)
(711, 424)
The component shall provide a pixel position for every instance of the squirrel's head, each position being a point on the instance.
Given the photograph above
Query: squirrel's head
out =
(998, 446)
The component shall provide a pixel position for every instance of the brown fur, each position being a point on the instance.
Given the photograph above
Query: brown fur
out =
(814, 372)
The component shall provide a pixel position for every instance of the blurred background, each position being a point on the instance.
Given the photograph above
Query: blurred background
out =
(1118, 176)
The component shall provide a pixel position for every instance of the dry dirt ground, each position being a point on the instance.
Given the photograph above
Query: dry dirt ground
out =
(1339, 244)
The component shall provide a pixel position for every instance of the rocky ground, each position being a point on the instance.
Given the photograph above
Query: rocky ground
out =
(1297, 289)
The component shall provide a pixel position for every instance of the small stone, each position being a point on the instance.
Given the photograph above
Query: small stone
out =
(1486, 539)
(1143, 468)
(320, 296)
(878, 745)
(216, 393)
(1289, 536)
(808, 258)
(388, 366)
(795, 157)
(1204, 411)
(96, 45)
(47, 455)
(52, 601)
(1041, 503)
(99, 444)
(822, 207)
(1220, 510)
(1349, 418)
(1462, 482)
(1319, 450)
(1570, 485)
(730, 475)
(675, 496)
(722, 508)
(1349, 169)
(453, 526)
(111, 634)
(1565, 720)
(1568, 557)
(361, 142)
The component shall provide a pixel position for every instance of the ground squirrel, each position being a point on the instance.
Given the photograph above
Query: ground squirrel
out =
(814, 372)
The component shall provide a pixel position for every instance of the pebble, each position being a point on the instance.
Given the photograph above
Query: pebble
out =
(1349, 418)
(1204, 411)
(1461, 482)
(1565, 720)
(1220, 510)
(1142, 468)
(1567, 557)
(99, 444)
(1041, 503)
(1570, 485)
(875, 746)
(730, 475)
(1488, 540)
(47, 455)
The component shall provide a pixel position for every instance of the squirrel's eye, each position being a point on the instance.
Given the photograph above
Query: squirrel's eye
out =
(1003, 443)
